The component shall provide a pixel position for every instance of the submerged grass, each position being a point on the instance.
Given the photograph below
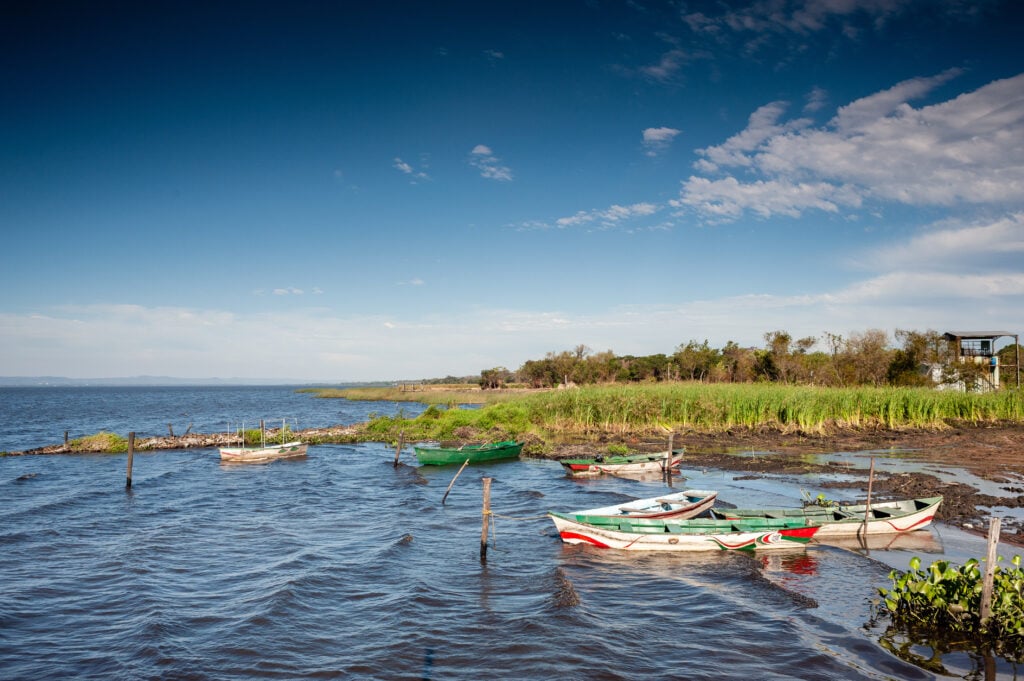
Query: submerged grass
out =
(710, 408)
(434, 394)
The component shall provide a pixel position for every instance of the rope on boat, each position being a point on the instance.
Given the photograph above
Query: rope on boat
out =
(510, 517)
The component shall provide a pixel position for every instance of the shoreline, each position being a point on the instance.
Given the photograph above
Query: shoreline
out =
(993, 452)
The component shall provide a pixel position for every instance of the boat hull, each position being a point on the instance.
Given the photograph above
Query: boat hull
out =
(686, 535)
(260, 454)
(616, 465)
(680, 506)
(443, 456)
(887, 517)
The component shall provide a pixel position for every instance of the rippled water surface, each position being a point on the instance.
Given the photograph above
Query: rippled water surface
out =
(339, 565)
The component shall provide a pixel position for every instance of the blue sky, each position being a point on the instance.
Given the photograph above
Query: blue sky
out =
(392, 190)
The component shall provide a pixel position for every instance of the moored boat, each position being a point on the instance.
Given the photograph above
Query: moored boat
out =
(678, 505)
(266, 453)
(629, 464)
(847, 520)
(434, 455)
(696, 534)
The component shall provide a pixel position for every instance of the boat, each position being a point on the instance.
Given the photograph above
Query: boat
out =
(265, 453)
(695, 534)
(435, 455)
(624, 463)
(679, 505)
(847, 520)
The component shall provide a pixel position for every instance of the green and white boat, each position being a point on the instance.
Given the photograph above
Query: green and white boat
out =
(436, 455)
(695, 534)
(847, 520)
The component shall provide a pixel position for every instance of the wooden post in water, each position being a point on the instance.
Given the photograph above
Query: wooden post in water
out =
(65, 438)
(464, 464)
(990, 570)
(668, 459)
(170, 430)
(487, 518)
(398, 449)
(867, 506)
(131, 454)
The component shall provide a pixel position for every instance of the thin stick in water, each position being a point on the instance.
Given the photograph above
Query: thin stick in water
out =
(464, 464)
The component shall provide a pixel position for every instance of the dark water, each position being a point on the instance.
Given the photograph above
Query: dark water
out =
(341, 566)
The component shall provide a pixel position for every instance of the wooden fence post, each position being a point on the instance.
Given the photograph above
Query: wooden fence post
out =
(398, 449)
(990, 570)
(487, 518)
(464, 464)
(131, 454)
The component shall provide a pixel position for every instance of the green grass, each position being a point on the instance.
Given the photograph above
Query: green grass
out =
(432, 394)
(109, 443)
(710, 408)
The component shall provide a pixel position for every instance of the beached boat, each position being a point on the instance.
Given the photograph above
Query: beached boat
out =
(696, 534)
(679, 505)
(847, 520)
(629, 464)
(434, 455)
(265, 453)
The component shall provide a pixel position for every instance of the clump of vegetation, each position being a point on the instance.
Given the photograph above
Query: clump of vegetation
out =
(109, 443)
(943, 603)
(657, 407)
(617, 449)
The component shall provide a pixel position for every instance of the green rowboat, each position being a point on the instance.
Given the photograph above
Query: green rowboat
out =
(492, 451)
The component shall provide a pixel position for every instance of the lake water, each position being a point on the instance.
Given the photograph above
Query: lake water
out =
(339, 565)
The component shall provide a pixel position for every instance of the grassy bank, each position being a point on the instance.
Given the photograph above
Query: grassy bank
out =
(708, 408)
(427, 394)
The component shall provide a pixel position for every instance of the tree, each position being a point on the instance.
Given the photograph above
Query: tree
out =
(494, 378)
(694, 361)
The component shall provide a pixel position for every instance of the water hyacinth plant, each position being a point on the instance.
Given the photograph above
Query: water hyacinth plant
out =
(943, 603)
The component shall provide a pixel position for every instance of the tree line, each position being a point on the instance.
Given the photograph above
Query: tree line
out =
(861, 358)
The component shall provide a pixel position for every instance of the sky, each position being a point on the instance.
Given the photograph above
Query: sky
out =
(343, 191)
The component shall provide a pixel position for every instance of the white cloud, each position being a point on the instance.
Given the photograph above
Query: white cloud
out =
(489, 165)
(728, 199)
(408, 169)
(292, 291)
(658, 140)
(667, 67)
(965, 151)
(608, 217)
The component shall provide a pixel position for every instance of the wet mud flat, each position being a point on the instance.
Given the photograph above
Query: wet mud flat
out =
(966, 454)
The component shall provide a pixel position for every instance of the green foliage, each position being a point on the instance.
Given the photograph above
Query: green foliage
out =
(109, 443)
(617, 449)
(944, 602)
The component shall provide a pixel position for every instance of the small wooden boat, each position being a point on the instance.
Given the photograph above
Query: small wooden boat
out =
(629, 464)
(433, 455)
(679, 505)
(695, 534)
(884, 517)
(265, 453)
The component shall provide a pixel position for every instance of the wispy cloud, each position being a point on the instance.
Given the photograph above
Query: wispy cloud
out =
(407, 169)
(658, 140)
(667, 68)
(607, 218)
(489, 165)
(291, 291)
(494, 55)
(964, 151)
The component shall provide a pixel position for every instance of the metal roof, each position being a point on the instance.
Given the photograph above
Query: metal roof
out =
(972, 335)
